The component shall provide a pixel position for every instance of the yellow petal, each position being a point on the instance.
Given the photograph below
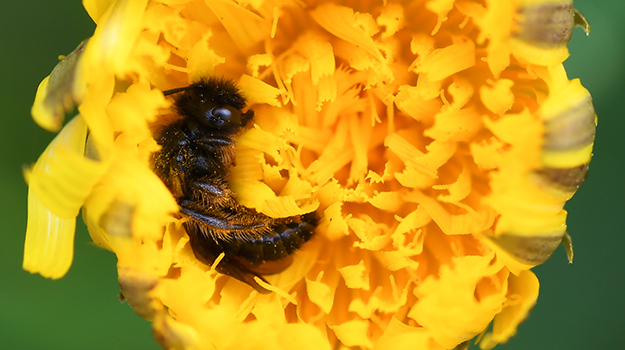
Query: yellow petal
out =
(245, 27)
(522, 296)
(342, 22)
(49, 246)
(353, 333)
(455, 290)
(544, 29)
(63, 177)
(60, 91)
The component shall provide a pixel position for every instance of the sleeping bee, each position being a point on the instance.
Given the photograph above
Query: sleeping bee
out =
(196, 155)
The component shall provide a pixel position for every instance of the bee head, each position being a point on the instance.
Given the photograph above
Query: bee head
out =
(213, 102)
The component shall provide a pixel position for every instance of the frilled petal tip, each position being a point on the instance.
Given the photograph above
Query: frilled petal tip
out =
(475, 286)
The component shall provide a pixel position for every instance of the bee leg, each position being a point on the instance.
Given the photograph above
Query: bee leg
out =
(231, 268)
(207, 250)
(189, 211)
(215, 190)
(208, 247)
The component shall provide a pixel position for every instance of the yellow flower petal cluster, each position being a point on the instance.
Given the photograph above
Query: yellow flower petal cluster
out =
(438, 140)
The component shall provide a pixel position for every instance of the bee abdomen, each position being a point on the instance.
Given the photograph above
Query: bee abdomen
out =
(251, 249)
(284, 241)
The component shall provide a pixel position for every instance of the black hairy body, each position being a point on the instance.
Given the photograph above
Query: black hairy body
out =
(196, 155)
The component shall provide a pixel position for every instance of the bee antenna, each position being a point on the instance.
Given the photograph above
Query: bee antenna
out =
(177, 90)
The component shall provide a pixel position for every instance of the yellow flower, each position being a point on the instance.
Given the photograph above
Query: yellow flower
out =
(437, 140)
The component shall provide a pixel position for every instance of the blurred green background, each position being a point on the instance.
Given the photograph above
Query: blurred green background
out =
(581, 306)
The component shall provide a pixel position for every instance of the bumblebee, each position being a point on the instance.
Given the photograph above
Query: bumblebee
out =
(197, 151)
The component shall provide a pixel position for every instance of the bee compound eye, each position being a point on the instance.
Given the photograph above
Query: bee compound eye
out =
(220, 115)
